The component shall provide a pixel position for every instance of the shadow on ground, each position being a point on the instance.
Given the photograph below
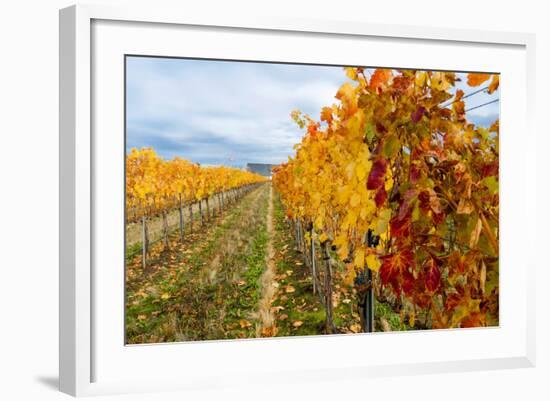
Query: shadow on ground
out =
(52, 382)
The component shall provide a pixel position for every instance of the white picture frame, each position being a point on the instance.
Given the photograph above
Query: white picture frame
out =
(82, 343)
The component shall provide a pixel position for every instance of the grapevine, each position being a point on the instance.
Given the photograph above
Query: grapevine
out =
(397, 160)
(154, 185)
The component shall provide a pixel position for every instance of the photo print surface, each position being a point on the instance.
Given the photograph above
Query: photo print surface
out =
(275, 200)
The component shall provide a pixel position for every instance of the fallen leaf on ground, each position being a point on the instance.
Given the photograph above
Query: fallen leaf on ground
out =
(355, 328)
(269, 331)
(283, 316)
(142, 317)
(165, 295)
(297, 323)
(244, 323)
(289, 289)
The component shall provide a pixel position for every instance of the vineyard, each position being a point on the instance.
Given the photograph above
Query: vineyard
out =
(155, 187)
(384, 218)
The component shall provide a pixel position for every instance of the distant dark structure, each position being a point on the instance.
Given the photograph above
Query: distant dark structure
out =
(260, 168)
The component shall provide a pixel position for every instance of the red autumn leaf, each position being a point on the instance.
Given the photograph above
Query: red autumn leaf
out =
(400, 227)
(490, 169)
(381, 196)
(401, 84)
(380, 128)
(433, 275)
(380, 78)
(438, 218)
(407, 282)
(377, 173)
(407, 203)
(446, 113)
(417, 114)
(452, 301)
(395, 268)
(312, 128)
(475, 319)
(414, 173)
(458, 95)
(424, 198)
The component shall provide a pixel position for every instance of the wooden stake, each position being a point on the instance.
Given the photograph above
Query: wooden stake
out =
(369, 303)
(191, 217)
(144, 242)
(328, 289)
(313, 262)
(165, 229)
(182, 225)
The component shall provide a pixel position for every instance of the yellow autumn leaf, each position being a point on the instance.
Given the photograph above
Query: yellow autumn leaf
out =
(359, 259)
(361, 171)
(382, 222)
(438, 81)
(493, 86)
(351, 73)
(420, 78)
(373, 262)
(350, 275)
(346, 92)
(343, 251)
(319, 222)
(412, 317)
(476, 79)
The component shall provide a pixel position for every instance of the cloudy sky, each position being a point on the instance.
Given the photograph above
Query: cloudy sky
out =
(232, 113)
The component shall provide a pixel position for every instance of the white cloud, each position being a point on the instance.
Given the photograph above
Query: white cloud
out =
(212, 112)
(234, 103)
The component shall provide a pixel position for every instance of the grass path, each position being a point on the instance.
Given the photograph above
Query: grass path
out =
(207, 287)
(267, 326)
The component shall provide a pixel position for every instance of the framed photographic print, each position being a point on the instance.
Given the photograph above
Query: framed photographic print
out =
(313, 193)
